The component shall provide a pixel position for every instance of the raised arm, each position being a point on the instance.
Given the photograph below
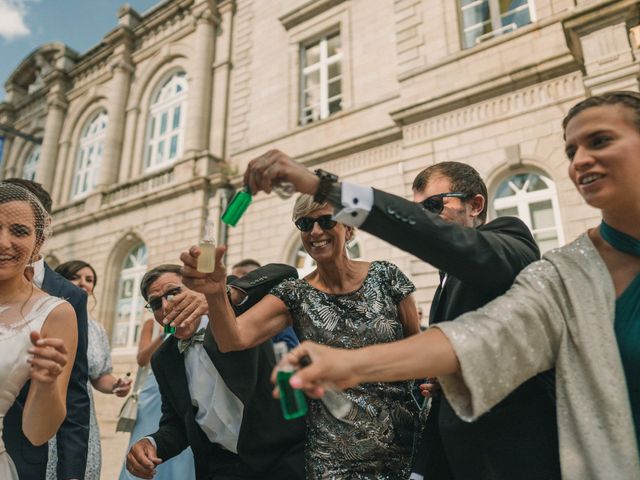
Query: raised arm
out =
(53, 354)
(502, 247)
(503, 344)
(261, 322)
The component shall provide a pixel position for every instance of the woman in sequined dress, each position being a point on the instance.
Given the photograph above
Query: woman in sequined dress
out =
(343, 303)
(83, 275)
(577, 309)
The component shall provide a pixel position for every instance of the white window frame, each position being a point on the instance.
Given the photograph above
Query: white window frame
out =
(30, 166)
(132, 275)
(165, 102)
(322, 66)
(90, 152)
(495, 18)
(522, 200)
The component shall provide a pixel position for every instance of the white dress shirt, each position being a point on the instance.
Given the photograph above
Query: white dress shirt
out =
(357, 202)
(219, 412)
(38, 272)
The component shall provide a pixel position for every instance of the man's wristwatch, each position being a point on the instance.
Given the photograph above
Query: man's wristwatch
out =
(326, 182)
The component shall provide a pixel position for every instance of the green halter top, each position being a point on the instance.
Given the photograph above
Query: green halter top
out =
(627, 321)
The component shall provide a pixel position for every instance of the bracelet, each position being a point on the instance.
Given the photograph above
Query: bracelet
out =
(327, 180)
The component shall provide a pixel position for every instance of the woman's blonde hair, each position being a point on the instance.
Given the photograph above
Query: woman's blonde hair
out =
(305, 205)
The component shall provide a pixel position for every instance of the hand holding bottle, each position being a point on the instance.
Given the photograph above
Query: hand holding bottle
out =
(275, 168)
(207, 283)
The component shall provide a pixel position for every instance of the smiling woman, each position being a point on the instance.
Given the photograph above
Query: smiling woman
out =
(38, 333)
(342, 302)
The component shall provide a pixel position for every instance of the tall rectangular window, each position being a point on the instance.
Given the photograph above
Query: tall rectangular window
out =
(485, 19)
(320, 78)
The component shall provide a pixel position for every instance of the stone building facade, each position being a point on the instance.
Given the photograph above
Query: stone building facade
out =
(147, 133)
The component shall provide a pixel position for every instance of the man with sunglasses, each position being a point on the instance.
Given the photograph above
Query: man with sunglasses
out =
(445, 226)
(219, 404)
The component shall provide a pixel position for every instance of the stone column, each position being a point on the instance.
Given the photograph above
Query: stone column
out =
(221, 77)
(56, 109)
(7, 169)
(126, 161)
(197, 127)
(119, 92)
(63, 176)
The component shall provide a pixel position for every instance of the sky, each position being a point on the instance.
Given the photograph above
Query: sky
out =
(81, 24)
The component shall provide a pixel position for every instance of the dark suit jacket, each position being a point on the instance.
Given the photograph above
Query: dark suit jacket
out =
(73, 436)
(266, 439)
(518, 438)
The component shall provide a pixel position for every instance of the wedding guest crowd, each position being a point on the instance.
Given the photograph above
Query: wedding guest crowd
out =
(531, 365)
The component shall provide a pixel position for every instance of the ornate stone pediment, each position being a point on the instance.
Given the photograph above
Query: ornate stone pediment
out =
(31, 74)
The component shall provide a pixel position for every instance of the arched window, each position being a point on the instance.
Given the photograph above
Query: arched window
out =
(89, 155)
(532, 197)
(130, 304)
(31, 164)
(166, 122)
(304, 263)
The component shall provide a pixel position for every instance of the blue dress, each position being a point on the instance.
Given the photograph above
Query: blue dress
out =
(149, 403)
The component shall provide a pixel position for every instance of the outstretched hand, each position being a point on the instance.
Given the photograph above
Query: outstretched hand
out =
(207, 283)
(328, 366)
(275, 167)
(48, 358)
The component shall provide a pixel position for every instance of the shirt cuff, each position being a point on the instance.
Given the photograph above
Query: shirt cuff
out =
(357, 202)
(152, 440)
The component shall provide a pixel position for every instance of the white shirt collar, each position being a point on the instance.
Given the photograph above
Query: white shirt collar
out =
(38, 272)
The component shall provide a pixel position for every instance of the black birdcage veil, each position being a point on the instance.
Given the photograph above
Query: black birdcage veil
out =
(24, 227)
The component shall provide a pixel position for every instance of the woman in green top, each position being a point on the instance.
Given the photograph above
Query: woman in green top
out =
(577, 309)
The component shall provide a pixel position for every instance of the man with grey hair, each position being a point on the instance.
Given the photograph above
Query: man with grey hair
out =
(219, 404)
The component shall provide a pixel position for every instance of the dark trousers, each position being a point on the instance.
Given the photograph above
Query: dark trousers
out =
(290, 466)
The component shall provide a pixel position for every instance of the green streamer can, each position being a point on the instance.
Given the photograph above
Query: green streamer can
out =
(237, 206)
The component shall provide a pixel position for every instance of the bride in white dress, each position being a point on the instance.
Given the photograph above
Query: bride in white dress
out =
(38, 333)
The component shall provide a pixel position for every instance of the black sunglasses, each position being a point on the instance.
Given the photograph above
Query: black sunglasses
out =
(435, 203)
(156, 303)
(305, 224)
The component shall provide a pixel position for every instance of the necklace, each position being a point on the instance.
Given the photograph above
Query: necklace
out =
(620, 240)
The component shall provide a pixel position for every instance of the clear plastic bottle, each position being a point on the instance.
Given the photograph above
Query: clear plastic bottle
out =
(334, 399)
(284, 190)
(207, 258)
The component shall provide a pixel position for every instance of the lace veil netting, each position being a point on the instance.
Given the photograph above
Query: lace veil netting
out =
(24, 227)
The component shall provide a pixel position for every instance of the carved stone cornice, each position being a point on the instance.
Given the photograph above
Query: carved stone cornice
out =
(122, 65)
(55, 100)
(205, 16)
(598, 16)
(457, 117)
(306, 11)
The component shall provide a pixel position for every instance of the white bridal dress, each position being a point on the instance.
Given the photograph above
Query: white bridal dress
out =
(14, 369)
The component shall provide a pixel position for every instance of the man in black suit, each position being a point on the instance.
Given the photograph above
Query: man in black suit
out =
(220, 404)
(73, 435)
(445, 226)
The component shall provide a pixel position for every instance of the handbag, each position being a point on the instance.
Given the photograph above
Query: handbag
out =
(129, 411)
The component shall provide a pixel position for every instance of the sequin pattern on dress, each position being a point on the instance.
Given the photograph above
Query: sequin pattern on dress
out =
(378, 444)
